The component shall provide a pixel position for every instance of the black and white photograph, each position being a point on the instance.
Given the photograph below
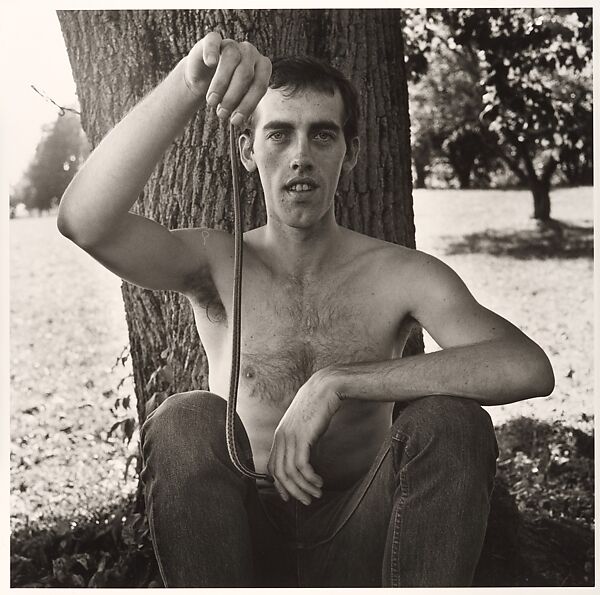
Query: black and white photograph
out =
(300, 297)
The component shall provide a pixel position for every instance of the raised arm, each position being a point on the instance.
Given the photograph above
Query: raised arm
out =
(94, 211)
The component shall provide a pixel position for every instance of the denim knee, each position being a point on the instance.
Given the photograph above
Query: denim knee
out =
(454, 427)
(185, 435)
(182, 413)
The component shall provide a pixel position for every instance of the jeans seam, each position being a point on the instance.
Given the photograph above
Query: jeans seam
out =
(404, 489)
(150, 515)
(347, 516)
(297, 550)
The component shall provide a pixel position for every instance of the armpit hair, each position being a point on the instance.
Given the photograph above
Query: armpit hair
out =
(201, 289)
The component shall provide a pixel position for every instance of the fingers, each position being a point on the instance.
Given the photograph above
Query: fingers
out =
(211, 48)
(306, 471)
(202, 59)
(293, 475)
(246, 104)
(229, 60)
(240, 81)
(237, 75)
(273, 466)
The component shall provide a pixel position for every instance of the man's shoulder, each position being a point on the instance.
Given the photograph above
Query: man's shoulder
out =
(396, 255)
(416, 271)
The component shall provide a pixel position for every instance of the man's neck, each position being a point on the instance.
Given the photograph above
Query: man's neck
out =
(302, 252)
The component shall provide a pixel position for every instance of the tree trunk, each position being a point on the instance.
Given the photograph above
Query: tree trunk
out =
(541, 200)
(420, 172)
(119, 56)
(538, 184)
(464, 176)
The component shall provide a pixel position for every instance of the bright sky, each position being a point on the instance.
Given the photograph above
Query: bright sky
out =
(34, 52)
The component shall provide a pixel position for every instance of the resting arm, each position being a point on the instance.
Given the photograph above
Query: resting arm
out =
(484, 357)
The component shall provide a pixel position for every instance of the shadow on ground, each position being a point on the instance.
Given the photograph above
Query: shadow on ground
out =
(556, 239)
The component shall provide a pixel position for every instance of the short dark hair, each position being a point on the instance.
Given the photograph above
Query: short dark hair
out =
(294, 74)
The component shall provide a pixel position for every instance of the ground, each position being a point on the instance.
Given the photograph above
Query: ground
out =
(68, 329)
(513, 269)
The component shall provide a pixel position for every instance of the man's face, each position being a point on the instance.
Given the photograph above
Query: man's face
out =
(299, 149)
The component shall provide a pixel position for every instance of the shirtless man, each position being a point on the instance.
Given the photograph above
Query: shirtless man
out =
(357, 500)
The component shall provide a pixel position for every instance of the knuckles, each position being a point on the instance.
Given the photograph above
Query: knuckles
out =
(247, 48)
(231, 50)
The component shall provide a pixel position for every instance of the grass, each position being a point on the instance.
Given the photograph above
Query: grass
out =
(489, 238)
(67, 329)
(68, 484)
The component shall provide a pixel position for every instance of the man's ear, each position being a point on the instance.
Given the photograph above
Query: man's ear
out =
(246, 152)
(351, 155)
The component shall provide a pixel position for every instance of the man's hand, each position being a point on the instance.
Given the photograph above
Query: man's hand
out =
(233, 75)
(302, 425)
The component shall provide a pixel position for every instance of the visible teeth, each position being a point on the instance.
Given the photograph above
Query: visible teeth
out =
(300, 187)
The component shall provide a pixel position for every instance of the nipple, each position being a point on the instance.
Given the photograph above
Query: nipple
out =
(249, 373)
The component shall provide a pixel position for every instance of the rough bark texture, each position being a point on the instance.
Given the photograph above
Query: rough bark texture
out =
(119, 56)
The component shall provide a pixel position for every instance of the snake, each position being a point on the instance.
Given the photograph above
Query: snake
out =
(236, 316)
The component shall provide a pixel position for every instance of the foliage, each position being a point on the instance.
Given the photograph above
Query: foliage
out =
(550, 469)
(112, 549)
(445, 103)
(126, 422)
(536, 70)
(59, 154)
(530, 77)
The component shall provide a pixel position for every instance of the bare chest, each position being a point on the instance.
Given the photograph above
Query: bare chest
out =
(293, 330)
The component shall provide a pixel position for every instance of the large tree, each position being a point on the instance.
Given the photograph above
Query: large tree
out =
(536, 70)
(514, 84)
(119, 56)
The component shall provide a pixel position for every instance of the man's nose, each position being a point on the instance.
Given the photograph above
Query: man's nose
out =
(301, 158)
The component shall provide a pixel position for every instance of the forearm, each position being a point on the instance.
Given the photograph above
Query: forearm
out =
(492, 373)
(114, 175)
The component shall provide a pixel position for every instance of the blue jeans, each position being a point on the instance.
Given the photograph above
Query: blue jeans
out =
(417, 518)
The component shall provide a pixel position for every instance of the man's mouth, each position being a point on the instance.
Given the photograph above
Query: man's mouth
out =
(301, 186)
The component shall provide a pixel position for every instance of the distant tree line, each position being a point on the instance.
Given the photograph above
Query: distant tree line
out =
(501, 97)
(60, 152)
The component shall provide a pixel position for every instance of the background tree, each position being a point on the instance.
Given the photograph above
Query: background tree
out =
(59, 154)
(536, 70)
(508, 84)
(119, 56)
(446, 100)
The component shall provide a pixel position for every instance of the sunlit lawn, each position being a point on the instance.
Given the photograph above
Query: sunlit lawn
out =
(67, 329)
(551, 299)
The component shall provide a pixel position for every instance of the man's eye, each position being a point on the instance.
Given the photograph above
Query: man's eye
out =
(324, 135)
(276, 136)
